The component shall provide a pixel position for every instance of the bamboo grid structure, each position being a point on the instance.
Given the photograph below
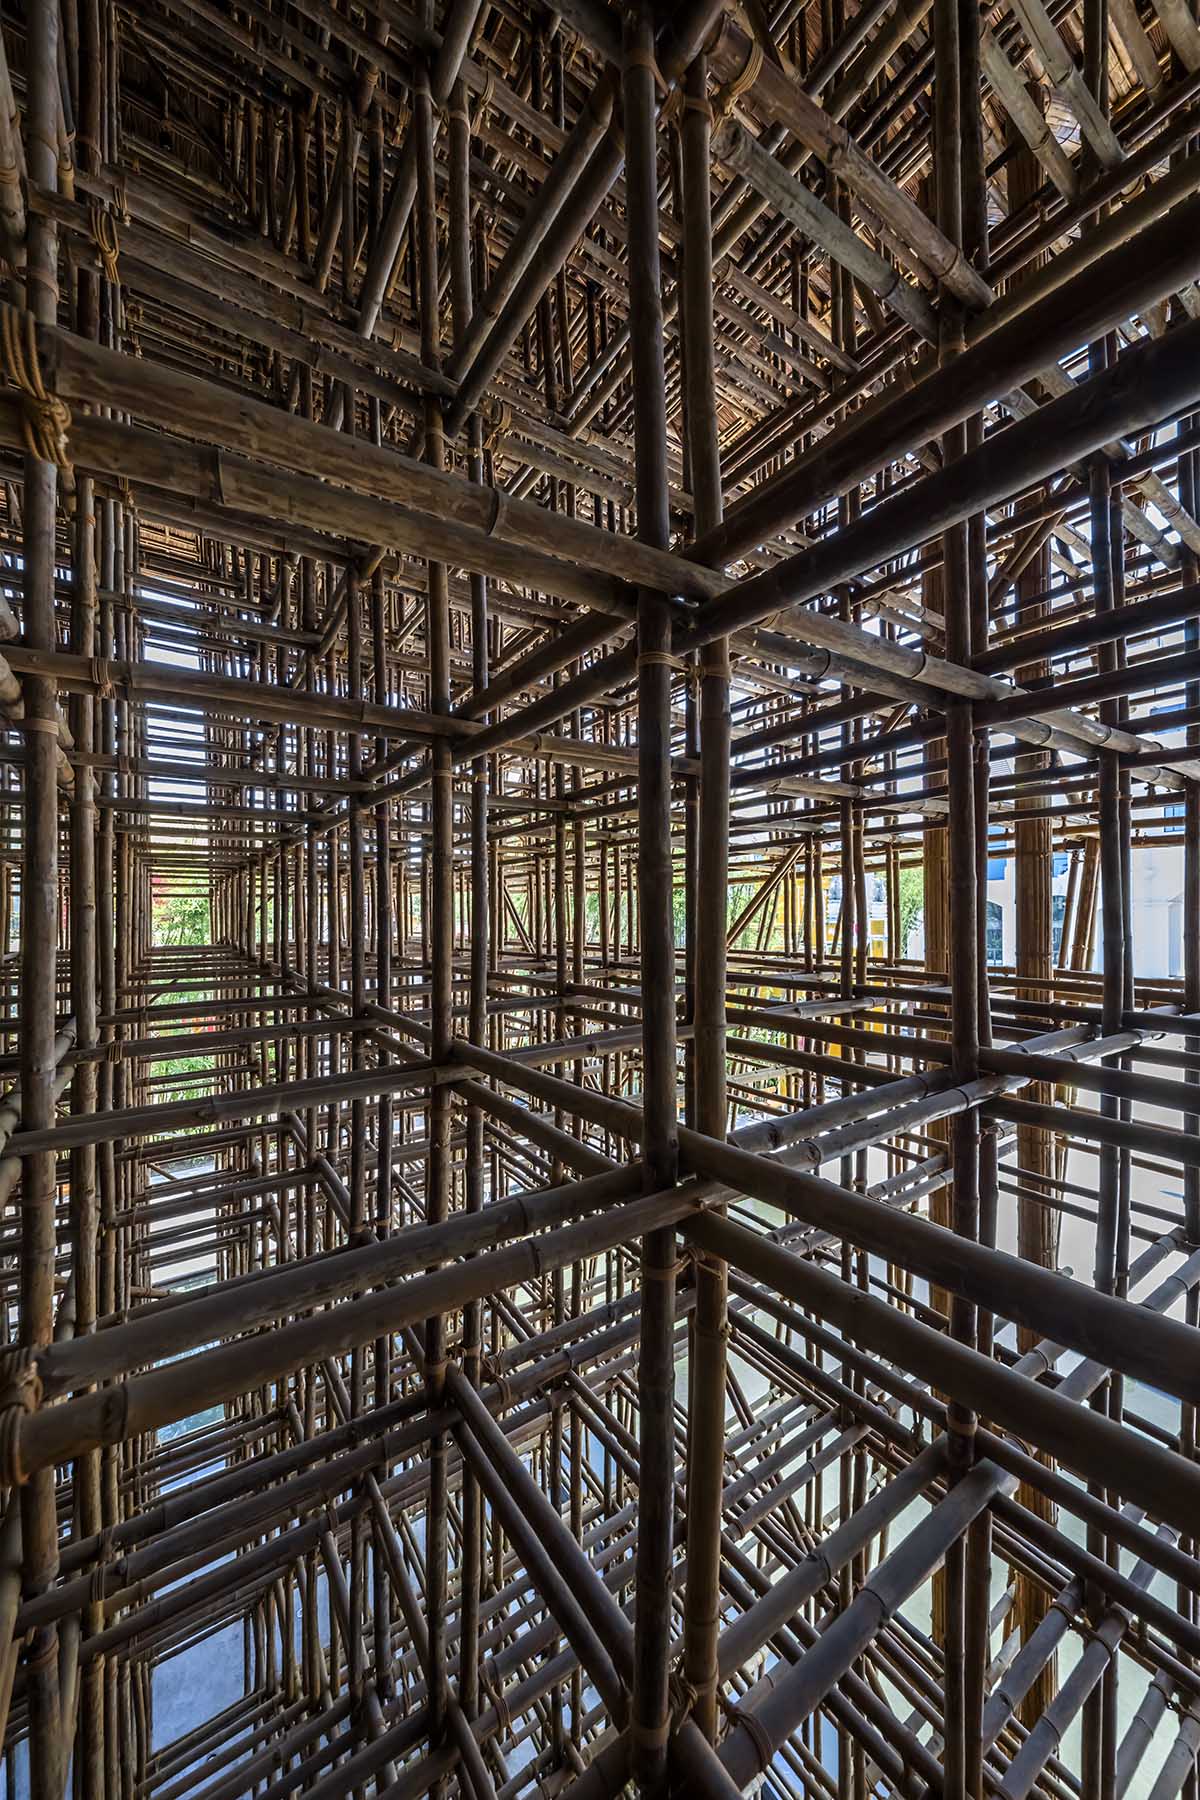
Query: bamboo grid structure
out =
(545, 528)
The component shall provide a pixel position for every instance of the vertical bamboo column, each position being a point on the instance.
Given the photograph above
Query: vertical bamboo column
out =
(1111, 871)
(385, 1118)
(461, 295)
(39, 913)
(656, 1366)
(358, 1002)
(89, 1512)
(949, 105)
(706, 1439)
(83, 1193)
(1099, 1714)
(1037, 1221)
(935, 885)
(977, 1586)
(441, 904)
(356, 904)
(106, 736)
(1189, 491)
(935, 902)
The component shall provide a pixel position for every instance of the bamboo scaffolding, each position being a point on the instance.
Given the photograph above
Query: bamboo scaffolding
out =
(599, 900)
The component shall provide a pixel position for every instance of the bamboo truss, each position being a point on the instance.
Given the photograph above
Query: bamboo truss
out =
(547, 558)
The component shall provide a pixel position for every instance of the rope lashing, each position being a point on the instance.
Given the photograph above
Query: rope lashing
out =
(499, 421)
(104, 231)
(646, 59)
(66, 166)
(500, 1381)
(663, 659)
(683, 1696)
(756, 1731)
(45, 419)
(650, 1737)
(492, 1684)
(671, 107)
(106, 1566)
(728, 96)
(696, 104)
(20, 1394)
(484, 101)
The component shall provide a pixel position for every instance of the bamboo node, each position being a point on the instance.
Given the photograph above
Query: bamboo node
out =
(672, 1271)
(651, 1737)
(104, 1564)
(951, 265)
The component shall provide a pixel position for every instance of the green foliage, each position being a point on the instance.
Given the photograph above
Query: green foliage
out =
(181, 919)
(739, 894)
(737, 900)
(912, 901)
(181, 1065)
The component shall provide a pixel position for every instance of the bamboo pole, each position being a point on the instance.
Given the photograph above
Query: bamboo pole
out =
(706, 1445)
(39, 923)
(650, 1722)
